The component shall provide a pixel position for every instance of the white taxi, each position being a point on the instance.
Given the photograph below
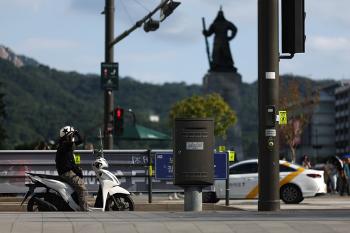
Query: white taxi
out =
(296, 182)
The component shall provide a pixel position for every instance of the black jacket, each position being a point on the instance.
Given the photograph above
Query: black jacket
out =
(65, 159)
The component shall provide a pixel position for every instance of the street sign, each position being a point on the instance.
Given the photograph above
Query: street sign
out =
(220, 166)
(222, 148)
(283, 117)
(164, 166)
(110, 76)
(231, 155)
(165, 170)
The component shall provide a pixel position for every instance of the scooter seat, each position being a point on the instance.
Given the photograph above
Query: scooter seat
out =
(48, 177)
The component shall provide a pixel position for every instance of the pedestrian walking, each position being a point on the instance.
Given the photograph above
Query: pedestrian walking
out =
(346, 168)
(331, 176)
(305, 162)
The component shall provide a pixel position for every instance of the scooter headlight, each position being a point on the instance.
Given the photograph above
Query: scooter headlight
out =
(97, 164)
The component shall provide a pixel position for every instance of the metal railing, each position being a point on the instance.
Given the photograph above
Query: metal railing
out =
(134, 168)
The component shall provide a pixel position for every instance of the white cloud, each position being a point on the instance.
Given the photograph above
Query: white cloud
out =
(88, 6)
(34, 5)
(151, 58)
(244, 11)
(35, 44)
(185, 25)
(327, 46)
(177, 29)
(325, 57)
(330, 44)
(333, 12)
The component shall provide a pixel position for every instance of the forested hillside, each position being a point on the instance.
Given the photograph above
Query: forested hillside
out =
(40, 100)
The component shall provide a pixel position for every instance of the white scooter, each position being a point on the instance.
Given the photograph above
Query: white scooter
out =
(60, 196)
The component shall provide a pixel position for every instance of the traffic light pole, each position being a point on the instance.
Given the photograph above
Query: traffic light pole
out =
(268, 70)
(109, 58)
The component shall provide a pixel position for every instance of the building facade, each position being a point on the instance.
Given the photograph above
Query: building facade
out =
(318, 138)
(342, 108)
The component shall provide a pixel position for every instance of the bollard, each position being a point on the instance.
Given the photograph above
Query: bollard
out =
(193, 198)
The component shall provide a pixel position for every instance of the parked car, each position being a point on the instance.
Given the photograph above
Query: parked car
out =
(296, 182)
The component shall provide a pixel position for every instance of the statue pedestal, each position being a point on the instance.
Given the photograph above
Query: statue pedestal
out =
(227, 84)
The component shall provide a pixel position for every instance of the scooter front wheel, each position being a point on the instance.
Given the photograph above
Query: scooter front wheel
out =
(119, 202)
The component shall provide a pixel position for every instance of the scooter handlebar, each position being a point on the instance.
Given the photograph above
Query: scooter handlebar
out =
(98, 153)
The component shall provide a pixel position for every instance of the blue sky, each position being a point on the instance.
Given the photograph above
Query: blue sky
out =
(69, 35)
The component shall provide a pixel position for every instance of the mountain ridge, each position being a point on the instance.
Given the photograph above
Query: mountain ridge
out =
(18, 60)
(40, 100)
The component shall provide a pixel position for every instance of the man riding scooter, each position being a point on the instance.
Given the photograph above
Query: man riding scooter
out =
(65, 163)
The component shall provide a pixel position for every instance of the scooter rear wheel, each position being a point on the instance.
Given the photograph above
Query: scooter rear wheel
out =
(33, 205)
(119, 202)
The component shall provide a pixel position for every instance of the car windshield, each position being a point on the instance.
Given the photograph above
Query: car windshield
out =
(286, 168)
(244, 168)
(252, 167)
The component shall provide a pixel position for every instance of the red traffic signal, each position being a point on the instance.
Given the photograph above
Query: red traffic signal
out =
(119, 120)
(119, 112)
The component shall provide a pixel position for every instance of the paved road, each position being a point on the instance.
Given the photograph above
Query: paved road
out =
(325, 221)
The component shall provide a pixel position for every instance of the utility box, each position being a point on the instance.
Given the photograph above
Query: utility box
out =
(193, 152)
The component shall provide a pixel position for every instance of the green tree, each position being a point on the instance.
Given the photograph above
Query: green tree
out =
(212, 105)
(300, 107)
(2, 116)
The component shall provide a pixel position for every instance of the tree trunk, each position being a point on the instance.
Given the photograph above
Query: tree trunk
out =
(292, 149)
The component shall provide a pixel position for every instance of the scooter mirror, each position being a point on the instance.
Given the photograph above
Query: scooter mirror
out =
(98, 153)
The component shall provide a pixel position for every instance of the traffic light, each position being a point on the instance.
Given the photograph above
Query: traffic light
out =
(168, 9)
(151, 25)
(293, 26)
(118, 120)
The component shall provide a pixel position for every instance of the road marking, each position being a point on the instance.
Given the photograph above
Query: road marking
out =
(254, 192)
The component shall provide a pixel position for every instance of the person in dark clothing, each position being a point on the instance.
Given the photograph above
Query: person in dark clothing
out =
(66, 166)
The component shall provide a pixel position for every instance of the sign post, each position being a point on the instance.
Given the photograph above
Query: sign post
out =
(227, 183)
(109, 59)
(268, 84)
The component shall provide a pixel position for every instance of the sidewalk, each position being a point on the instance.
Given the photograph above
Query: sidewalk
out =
(178, 222)
(163, 203)
(330, 214)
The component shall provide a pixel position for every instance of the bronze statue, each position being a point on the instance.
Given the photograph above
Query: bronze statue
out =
(221, 57)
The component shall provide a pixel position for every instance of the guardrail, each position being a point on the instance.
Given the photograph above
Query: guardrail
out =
(134, 168)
